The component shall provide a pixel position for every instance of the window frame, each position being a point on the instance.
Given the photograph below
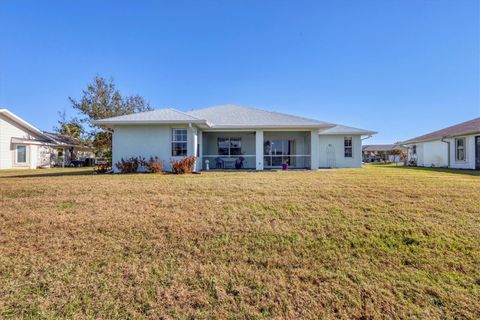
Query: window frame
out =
(229, 148)
(174, 141)
(463, 148)
(23, 163)
(347, 147)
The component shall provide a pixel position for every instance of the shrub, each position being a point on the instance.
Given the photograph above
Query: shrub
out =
(154, 165)
(184, 165)
(130, 165)
(102, 167)
(107, 155)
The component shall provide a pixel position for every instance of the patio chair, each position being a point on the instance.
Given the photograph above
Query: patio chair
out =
(239, 163)
(219, 163)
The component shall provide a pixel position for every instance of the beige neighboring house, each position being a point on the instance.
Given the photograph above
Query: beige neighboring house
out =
(22, 146)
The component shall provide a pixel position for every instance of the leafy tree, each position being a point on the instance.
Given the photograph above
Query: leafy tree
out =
(398, 155)
(72, 128)
(395, 153)
(404, 156)
(102, 100)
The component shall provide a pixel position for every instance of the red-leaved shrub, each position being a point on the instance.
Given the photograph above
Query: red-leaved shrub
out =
(184, 165)
(154, 165)
(102, 167)
(130, 165)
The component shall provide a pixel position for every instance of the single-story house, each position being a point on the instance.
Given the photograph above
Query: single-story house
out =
(456, 147)
(382, 152)
(232, 136)
(22, 146)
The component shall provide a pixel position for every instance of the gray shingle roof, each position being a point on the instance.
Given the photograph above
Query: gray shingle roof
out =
(339, 129)
(167, 115)
(382, 147)
(43, 137)
(230, 115)
(467, 127)
(61, 139)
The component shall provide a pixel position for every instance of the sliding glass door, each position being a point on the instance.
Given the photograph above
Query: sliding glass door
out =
(278, 152)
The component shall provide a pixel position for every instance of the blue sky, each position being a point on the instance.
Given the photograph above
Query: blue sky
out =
(399, 67)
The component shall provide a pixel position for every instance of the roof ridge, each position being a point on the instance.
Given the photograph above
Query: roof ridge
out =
(299, 117)
(263, 110)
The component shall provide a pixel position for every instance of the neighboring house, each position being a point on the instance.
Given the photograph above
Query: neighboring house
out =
(232, 136)
(382, 152)
(457, 147)
(24, 146)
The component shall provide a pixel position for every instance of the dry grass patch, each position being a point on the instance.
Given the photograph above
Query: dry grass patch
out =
(352, 243)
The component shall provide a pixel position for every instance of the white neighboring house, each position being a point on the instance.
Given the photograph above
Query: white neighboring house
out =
(382, 152)
(22, 146)
(232, 136)
(455, 147)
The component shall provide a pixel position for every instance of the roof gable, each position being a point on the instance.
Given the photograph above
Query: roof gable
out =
(381, 147)
(339, 129)
(22, 123)
(61, 139)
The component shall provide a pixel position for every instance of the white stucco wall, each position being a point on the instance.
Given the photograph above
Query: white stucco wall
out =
(332, 152)
(146, 141)
(9, 130)
(155, 140)
(435, 154)
(420, 157)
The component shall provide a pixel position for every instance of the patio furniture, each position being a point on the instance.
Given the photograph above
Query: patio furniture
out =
(229, 163)
(239, 163)
(219, 163)
(77, 163)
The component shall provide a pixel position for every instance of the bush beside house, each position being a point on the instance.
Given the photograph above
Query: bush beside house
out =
(155, 165)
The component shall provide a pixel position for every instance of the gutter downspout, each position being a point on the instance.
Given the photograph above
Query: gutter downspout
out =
(448, 146)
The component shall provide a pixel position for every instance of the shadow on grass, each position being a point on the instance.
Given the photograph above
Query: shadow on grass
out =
(50, 173)
(443, 170)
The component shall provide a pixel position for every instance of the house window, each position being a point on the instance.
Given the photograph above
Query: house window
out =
(460, 149)
(179, 142)
(348, 147)
(229, 146)
(21, 154)
(414, 149)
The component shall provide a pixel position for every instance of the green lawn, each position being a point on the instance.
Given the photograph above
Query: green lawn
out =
(378, 242)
